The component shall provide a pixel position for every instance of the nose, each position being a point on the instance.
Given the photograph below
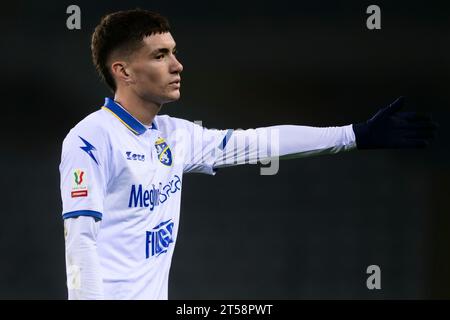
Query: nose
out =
(176, 66)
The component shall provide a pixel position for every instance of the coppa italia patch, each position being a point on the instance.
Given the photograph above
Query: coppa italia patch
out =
(79, 185)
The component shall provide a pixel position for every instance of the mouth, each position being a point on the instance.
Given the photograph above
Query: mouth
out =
(175, 84)
(176, 81)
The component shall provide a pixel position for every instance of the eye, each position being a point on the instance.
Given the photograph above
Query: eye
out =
(160, 56)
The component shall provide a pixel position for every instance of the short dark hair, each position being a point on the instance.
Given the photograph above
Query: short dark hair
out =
(123, 30)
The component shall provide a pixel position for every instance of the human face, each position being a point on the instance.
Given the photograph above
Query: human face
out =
(155, 71)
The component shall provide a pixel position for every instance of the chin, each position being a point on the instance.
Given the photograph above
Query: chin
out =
(172, 97)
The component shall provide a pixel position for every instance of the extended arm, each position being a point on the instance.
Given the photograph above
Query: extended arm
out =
(389, 128)
(285, 141)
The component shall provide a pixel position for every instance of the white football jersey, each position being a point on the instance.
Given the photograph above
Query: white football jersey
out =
(130, 176)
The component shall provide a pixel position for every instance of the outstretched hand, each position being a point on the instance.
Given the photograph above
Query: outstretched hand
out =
(389, 128)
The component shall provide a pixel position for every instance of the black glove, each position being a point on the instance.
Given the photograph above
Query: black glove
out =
(392, 129)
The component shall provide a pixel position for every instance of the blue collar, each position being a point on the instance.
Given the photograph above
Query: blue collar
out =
(125, 117)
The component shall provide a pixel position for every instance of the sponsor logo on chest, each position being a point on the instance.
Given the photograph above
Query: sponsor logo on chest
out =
(157, 240)
(154, 196)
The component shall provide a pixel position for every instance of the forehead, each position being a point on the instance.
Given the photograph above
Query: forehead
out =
(159, 40)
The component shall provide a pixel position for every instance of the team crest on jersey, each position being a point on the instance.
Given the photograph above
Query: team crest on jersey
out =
(163, 151)
(79, 185)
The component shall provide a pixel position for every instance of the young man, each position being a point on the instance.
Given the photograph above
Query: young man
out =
(122, 166)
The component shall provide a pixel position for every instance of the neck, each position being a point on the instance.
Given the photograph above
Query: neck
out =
(142, 110)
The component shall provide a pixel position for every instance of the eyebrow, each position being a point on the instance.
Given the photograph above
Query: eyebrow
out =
(162, 50)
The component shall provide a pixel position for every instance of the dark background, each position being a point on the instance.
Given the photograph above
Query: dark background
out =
(308, 232)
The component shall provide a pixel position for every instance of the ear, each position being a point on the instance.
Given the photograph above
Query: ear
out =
(119, 71)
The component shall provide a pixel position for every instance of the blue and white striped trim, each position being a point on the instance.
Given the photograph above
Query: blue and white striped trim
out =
(226, 139)
(88, 213)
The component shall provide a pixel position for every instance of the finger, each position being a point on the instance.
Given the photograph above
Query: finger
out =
(395, 106)
(414, 143)
(413, 116)
(419, 125)
(390, 109)
(420, 135)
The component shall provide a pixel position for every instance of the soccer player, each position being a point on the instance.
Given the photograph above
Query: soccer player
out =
(122, 166)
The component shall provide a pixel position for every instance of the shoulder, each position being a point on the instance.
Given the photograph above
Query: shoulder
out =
(188, 131)
(168, 124)
(93, 128)
(165, 120)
